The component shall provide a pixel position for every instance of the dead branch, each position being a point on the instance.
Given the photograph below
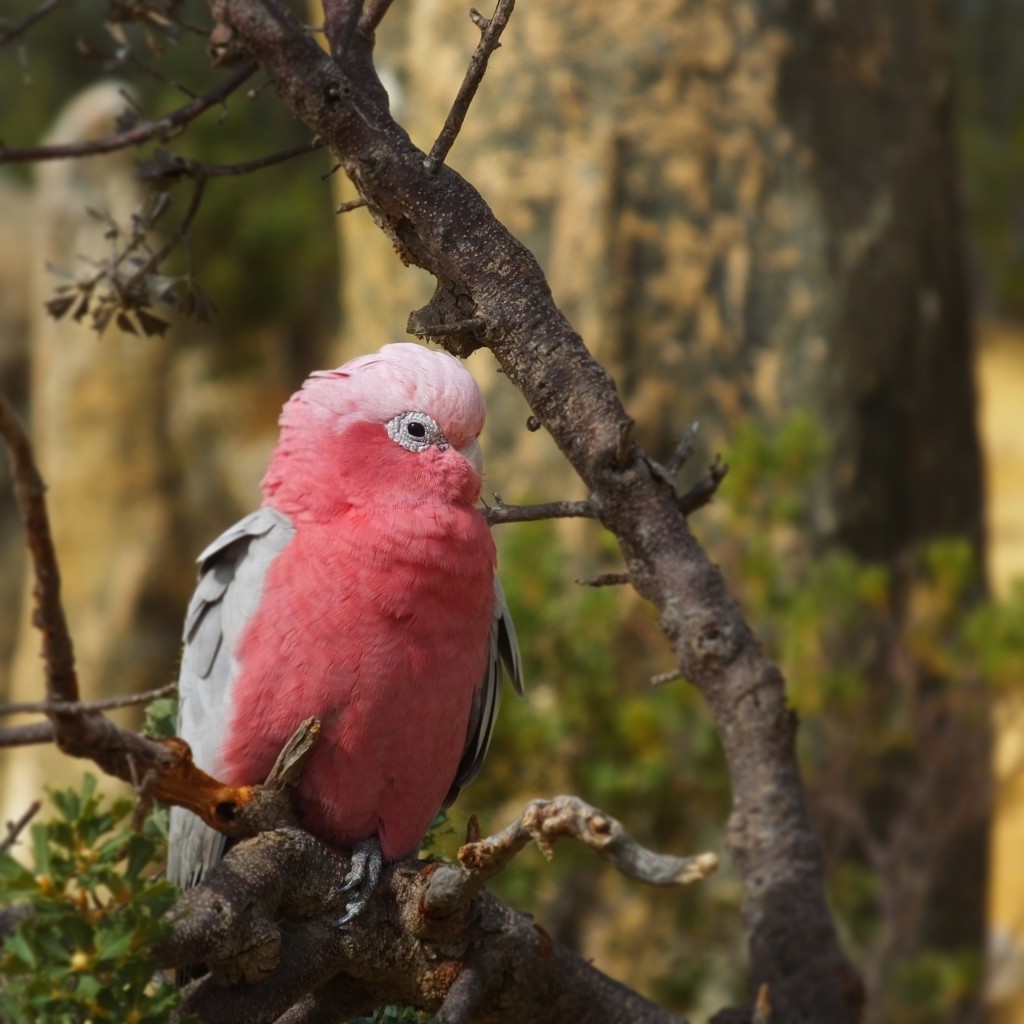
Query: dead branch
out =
(704, 489)
(349, 205)
(174, 238)
(374, 13)
(263, 916)
(109, 704)
(490, 34)
(340, 23)
(684, 450)
(19, 28)
(462, 999)
(604, 579)
(168, 167)
(48, 617)
(160, 128)
(15, 828)
(543, 821)
(502, 513)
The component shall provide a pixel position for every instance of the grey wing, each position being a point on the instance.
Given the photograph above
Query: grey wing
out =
(504, 650)
(231, 574)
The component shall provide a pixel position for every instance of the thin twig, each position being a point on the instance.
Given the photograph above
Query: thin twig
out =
(161, 127)
(48, 617)
(374, 15)
(502, 513)
(173, 239)
(350, 204)
(181, 167)
(340, 23)
(666, 677)
(21, 27)
(489, 38)
(15, 828)
(684, 450)
(248, 166)
(108, 704)
(605, 579)
(704, 489)
(442, 329)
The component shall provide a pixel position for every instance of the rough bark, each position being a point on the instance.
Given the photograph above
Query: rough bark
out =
(441, 223)
(427, 939)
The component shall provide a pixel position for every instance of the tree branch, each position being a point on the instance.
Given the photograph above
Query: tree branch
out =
(15, 828)
(452, 886)
(704, 489)
(604, 579)
(490, 34)
(109, 704)
(373, 15)
(161, 128)
(502, 513)
(263, 914)
(26, 735)
(48, 617)
(19, 28)
(168, 167)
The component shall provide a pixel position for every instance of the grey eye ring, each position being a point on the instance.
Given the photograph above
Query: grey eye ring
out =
(416, 432)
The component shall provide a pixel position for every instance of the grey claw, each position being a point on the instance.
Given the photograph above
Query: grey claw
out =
(362, 878)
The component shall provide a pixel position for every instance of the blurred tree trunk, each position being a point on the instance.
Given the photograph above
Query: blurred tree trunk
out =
(867, 90)
(747, 208)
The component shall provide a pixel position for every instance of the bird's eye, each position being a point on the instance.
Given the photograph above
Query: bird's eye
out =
(416, 431)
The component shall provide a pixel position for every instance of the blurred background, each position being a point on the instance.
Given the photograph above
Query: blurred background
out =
(801, 224)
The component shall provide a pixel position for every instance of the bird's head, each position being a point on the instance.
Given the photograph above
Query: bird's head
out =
(399, 426)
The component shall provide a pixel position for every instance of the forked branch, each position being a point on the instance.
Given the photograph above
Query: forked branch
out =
(542, 822)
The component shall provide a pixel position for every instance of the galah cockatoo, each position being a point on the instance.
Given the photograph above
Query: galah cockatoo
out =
(363, 593)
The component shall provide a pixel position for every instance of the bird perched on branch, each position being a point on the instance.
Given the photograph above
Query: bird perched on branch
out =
(363, 593)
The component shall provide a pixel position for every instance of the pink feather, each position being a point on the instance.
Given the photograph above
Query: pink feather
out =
(376, 616)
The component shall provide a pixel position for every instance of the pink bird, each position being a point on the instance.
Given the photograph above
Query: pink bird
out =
(363, 593)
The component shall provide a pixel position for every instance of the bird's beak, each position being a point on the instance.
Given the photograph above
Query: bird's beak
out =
(474, 456)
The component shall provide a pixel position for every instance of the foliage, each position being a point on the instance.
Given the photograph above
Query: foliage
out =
(82, 953)
(161, 718)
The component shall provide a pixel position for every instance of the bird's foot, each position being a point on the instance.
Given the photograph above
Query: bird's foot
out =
(362, 878)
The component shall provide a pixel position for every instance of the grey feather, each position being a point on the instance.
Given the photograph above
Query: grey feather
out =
(504, 650)
(231, 574)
